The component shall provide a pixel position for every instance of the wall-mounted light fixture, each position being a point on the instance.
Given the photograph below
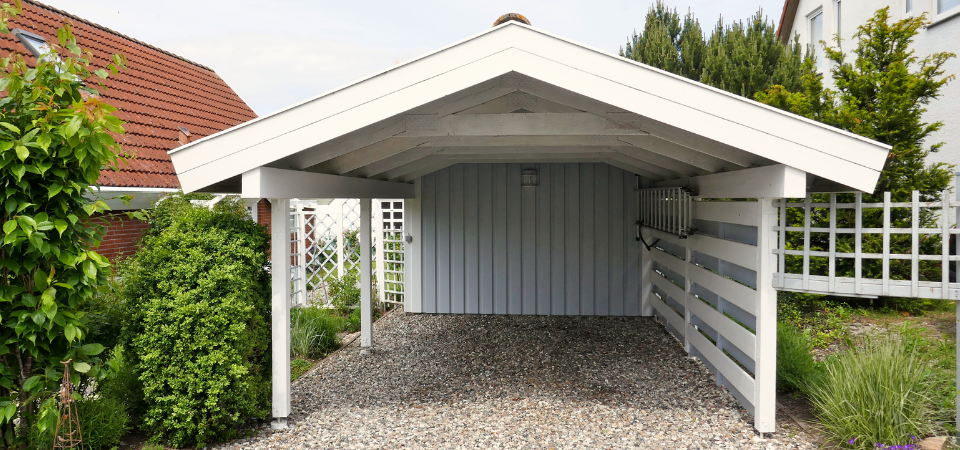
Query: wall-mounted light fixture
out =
(529, 178)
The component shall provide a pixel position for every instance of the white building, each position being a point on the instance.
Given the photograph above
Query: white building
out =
(815, 20)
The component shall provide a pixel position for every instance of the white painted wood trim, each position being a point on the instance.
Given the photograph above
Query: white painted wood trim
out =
(366, 275)
(739, 378)
(770, 181)
(740, 213)
(266, 182)
(765, 398)
(741, 296)
(731, 331)
(676, 321)
(280, 305)
(743, 255)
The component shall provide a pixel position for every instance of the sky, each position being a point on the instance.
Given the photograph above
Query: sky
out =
(278, 53)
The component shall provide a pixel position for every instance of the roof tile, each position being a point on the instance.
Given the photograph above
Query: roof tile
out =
(158, 92)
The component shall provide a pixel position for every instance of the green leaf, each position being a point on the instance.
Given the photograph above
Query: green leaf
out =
(9, 226)
(60, 225)
(40, 280)
(90, 269)
(32, 382)
(54, 189)
(10, 127)
(72, 126)
(10, 411)
(81, 367)
(22, 152)
(18, 170)
(38, 317)
(70, 332)
(91, 349)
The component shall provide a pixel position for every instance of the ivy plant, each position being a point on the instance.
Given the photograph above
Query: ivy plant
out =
(55, 137)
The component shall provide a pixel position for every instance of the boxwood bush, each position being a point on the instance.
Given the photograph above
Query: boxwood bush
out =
(199, 297)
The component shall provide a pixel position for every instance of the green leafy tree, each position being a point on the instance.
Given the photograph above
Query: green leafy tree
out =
(54, 140)
(742, 58)
(881, 93)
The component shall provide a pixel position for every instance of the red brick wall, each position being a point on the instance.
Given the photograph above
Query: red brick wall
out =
(122, 235)
(263, 213)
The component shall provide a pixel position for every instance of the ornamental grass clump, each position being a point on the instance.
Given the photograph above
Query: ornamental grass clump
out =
(879, 393)
(796, 368)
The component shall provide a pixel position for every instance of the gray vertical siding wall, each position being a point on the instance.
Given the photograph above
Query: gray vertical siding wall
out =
(565, 247)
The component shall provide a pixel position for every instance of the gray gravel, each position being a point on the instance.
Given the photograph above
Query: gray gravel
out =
(516, 382)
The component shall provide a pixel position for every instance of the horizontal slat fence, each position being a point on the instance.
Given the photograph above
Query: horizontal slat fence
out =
(703, 287)
(860, 282)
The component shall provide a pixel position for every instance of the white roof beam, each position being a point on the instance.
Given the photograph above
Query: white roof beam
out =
(532, 124)
(680, 153)
(778, 181)
(519, 100)
(267, 182)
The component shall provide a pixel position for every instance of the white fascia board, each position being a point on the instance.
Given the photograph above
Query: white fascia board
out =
(777, 181)
(266, 182)
(696, 108)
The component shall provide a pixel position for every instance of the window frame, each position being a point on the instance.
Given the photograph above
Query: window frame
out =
(937, 16)
(814, 45)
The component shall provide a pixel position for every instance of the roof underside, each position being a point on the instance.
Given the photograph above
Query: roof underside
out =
(490, 99)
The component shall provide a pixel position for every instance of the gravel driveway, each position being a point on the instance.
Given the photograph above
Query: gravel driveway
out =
(454, 381)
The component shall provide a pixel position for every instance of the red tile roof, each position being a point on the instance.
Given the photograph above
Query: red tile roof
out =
(158, 93)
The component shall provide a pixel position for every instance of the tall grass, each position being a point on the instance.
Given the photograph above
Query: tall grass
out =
(876, 394)
(314, 331)
(796, 368)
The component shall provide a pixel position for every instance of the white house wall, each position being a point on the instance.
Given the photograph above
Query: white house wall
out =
(943, 36)
(564, 247)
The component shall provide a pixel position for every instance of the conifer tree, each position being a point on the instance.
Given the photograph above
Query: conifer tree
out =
(741, 58)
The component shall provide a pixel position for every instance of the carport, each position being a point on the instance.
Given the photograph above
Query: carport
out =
(545, 177)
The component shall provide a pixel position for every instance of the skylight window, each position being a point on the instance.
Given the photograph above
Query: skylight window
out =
(35, 43)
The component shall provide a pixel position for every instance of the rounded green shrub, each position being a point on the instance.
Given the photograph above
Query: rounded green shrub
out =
(199, 333)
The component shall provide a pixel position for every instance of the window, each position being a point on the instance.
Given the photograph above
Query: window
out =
(908, 6)
(944, 6)
(34, 43)
(836, 18)
(816, 35)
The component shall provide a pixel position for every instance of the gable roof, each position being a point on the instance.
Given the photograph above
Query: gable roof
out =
(158, 93)
(576, 102)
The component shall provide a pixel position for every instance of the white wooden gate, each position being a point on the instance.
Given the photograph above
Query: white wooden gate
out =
(325, 245)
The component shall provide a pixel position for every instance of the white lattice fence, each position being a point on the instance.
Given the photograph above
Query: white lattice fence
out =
(325, 244)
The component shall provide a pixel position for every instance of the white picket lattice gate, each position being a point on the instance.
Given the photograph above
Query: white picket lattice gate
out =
(324, 245)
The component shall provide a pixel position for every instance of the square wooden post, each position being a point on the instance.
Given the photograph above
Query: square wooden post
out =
(765, 393)
(366, 275)
(280, 309)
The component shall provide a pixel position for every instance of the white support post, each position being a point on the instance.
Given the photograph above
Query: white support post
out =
(280, 309)
(806, 242)
(646, 260)
(378, 241)
(944, 217)
(915, 240)
(412, 300)
(366, 275)
(687, 295)
(765, 394)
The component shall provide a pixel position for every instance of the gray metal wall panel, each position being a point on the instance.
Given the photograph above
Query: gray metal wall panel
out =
(514, 239)
(457, 263)
(617, 227)
(631, 297)
(443, 241)
(565, 247)
(587, 236)
(429, 226)
(528, 254)
(543, 240)
(572, 247)
(485, 214)
(558, 242)
(471, 236)
(602, 209)
(500, 238)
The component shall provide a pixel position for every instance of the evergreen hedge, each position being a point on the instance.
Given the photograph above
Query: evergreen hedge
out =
(199, 324)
